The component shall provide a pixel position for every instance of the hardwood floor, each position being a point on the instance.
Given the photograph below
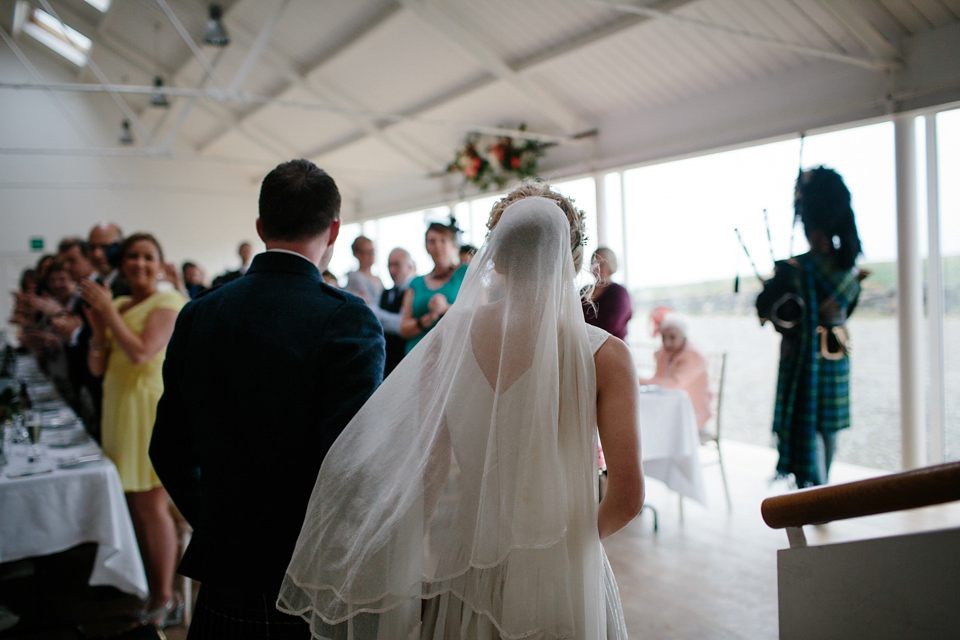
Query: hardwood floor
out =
(714, 574)
(711, 575)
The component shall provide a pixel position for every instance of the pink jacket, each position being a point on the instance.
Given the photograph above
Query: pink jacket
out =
(687, 370)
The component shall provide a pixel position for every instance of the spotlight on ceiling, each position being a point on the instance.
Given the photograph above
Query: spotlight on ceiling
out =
(126, 137)
(158, 98)
(215, 33)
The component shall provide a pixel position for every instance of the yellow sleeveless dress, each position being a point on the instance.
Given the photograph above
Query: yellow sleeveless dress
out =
(130, 396)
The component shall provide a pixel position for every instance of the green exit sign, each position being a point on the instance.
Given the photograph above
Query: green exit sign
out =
(36, 244)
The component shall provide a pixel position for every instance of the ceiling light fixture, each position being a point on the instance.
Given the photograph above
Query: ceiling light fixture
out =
(158, 98)
(215, 33)
(126, 137)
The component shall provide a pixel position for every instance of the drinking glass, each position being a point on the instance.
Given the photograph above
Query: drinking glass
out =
(34, 426)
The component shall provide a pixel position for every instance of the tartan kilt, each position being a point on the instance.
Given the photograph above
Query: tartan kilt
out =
(833, 394)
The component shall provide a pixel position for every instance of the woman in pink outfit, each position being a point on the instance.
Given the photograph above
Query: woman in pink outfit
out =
(681, 366)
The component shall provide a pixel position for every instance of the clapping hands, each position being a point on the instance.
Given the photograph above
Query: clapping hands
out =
(438, 305)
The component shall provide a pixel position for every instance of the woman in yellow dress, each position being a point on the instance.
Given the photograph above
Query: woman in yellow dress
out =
(129, 342)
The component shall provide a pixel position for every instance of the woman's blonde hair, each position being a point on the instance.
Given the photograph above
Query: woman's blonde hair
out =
(530, 188)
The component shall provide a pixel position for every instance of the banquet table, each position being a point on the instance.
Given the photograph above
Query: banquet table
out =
(70, 495)
(670, 441)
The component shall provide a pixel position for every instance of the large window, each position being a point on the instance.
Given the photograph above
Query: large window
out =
(684, 253)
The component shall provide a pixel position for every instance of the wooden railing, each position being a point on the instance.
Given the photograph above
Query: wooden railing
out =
(908, 490)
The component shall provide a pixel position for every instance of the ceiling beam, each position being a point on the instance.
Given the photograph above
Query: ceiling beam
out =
(187, 38)
(861, 29)
(874, 64)
(257, 48)
(106, 21)
(346, 107)
(616, 27)
(131, 117)
(466, 39)
(67, 113)
(255, 134)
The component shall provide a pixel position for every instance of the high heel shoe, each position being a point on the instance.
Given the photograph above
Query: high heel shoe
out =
(167, 615)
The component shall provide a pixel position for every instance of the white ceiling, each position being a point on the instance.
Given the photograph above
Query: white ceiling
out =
(382, 92)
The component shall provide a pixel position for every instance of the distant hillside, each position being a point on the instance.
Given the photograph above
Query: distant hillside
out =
(717, 296)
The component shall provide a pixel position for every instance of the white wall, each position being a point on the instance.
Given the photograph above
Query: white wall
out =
(198, 210)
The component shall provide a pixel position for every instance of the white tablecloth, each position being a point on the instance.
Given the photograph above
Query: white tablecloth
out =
(670, 441)
(59, 509)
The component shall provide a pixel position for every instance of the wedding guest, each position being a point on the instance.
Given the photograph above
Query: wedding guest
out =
(192, 279)
(261, 376)
(429, 296)
(52, 357)
(609, 306)
(75, 331)
(28, 281)
(61, 286)
(467, 251)
(42, 265)
(330, 279)
(362, 282)
(127, 347)
(245, 251)
(809, 299)
(681, 366)
(402, 270)
(103, 250)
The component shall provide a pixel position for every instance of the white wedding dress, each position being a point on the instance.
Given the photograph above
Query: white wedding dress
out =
(461, 501)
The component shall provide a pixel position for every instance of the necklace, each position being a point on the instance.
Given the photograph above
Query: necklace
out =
(443, 274)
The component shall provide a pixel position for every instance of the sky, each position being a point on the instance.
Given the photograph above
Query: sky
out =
(681, 215)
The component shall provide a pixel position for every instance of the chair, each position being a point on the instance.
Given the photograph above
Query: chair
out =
(710, 435)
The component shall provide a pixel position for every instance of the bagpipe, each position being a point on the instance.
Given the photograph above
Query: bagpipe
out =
(779, 302)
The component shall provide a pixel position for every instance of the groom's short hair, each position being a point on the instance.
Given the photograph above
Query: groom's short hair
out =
(298, 201)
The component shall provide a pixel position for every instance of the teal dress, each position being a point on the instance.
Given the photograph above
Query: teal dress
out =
(422, 295)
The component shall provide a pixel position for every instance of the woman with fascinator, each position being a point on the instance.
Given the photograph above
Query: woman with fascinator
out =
(461, 503)
(429, 296)
(808, 300)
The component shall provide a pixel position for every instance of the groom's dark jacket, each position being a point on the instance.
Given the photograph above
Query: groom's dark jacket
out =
(261, 376)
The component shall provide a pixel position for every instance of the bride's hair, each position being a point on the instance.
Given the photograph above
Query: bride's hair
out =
(529, 188)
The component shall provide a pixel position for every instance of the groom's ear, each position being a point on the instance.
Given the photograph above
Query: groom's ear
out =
(334, 230)
(260, 231)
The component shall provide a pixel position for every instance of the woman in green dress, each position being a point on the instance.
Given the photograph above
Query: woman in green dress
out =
(430, 295)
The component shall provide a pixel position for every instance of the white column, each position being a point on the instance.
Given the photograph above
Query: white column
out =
(935, 297)
(603, 237)
(625, 259)
(910, 297)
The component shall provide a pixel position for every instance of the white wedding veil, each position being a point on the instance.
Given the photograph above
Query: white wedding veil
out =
(465, 489)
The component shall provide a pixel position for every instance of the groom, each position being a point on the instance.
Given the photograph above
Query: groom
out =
(260, 377)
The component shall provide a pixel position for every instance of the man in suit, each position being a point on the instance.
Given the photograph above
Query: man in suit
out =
(103, 250)
(402, 270)
(74, 330)
(261, 375)
(245, 251)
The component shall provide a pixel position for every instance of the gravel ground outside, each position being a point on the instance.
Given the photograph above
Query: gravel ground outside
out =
(753, 351)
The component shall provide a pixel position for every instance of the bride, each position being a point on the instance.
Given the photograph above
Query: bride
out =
(461, 501)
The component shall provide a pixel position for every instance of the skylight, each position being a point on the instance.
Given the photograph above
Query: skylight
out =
(68, 42)
(99, 5)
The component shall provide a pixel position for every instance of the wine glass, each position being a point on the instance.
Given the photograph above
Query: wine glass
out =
(34, 426)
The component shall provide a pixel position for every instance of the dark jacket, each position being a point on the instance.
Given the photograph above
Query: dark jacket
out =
(392, 300)
(260, 378)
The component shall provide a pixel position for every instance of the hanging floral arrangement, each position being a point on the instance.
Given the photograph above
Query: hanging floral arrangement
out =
(490, 161)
